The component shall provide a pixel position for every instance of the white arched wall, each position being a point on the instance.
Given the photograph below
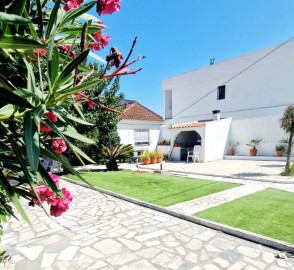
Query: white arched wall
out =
(199, 130)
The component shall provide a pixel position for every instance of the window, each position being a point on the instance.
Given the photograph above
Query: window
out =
(221, 92)
(141, 136)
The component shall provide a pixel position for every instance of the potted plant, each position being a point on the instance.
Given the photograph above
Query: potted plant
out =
(146, 157)
(232, 147)
(280, 150)
(159, 157)
(253, 144)
(153, 157)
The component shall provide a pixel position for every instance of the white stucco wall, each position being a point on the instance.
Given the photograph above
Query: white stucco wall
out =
(215, 139)
(265, 128)
(125, 129)
(264, 89)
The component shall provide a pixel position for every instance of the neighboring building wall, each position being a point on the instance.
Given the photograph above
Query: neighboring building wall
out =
(264, 89)
(265, 128)
(215, 139)
(125, 129)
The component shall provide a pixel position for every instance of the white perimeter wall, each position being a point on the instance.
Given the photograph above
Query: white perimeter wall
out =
(125, 129)
(265, 128)
(215, 140)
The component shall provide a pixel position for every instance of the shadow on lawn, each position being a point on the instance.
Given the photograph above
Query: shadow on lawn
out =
(182, 192)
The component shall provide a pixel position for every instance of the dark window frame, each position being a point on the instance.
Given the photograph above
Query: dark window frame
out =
(221, 92)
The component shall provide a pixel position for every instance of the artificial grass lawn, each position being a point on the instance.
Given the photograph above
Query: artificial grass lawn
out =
(269, 213)
(158, 189)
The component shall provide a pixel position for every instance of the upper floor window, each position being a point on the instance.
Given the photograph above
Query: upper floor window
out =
(221, 92)
(141, 136)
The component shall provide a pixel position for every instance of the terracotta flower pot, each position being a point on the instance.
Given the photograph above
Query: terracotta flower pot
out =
(153, 160)
(280, 153)
(146, 161)
(231, 152)
(253, 152)
(159, 160)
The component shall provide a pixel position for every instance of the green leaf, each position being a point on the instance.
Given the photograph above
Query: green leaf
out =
(13, 196)
(79, 120)
(81, 153)
(13, 42)
(71, 66)
(97, 57)
(40, 17)
(31, 26)
(31, 80)
(73, 29)
(38, 113)
(53, 65)
(7, 109)
(78, 88)
(52, 19)
(81, 66)
(72, 133)
(31, 138)
(74, 13)
(17, 7)
(24, 93)
(12, 19)
(10, 97)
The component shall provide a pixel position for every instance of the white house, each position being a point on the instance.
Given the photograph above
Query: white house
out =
(139, 126)
(251, 93)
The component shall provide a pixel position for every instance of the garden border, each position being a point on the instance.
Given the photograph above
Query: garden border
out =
(256, 238)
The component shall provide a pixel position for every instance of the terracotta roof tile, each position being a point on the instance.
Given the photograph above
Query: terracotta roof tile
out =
(189, 125)
(136, 111)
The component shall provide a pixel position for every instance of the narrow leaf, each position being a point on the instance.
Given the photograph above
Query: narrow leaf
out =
(52, 19)
(71, 66)
(12, 19)
(10, 97)
(13, 196)
(31, 138)
(74, 13)
(13, 42)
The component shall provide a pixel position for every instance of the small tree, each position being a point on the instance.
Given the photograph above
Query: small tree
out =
(287, 123)
(115, 152)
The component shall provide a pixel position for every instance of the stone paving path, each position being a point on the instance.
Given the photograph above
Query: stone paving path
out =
(200, 204)
(248, 187)
(102, 232)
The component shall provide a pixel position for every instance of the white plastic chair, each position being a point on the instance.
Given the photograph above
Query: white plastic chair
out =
(195, 154)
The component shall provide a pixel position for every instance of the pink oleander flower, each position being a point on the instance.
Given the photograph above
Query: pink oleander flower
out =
(44, 128)
(54, 177)
(107, 6)
(59, 146)
(60, 205)
(38, 53)
(101, 39)
(71, 4)
(90, 104)
(45, 194)
(66, 49)
(53, 117)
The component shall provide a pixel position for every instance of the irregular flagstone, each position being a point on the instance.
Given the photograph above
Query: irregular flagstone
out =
(68, 253)
(148, 236)
(91, 252)
(32, 253)
(139, 265)
(108, 246)
(132, 245)
(148, 253)
(48, 259)
(168, 260)
(121, 258)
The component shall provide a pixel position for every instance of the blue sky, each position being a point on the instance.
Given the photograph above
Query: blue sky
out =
(180, 36)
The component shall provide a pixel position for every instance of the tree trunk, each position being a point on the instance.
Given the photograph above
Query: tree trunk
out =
(289, 151)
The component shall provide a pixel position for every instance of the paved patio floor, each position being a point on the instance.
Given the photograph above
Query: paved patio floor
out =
(103, 232)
